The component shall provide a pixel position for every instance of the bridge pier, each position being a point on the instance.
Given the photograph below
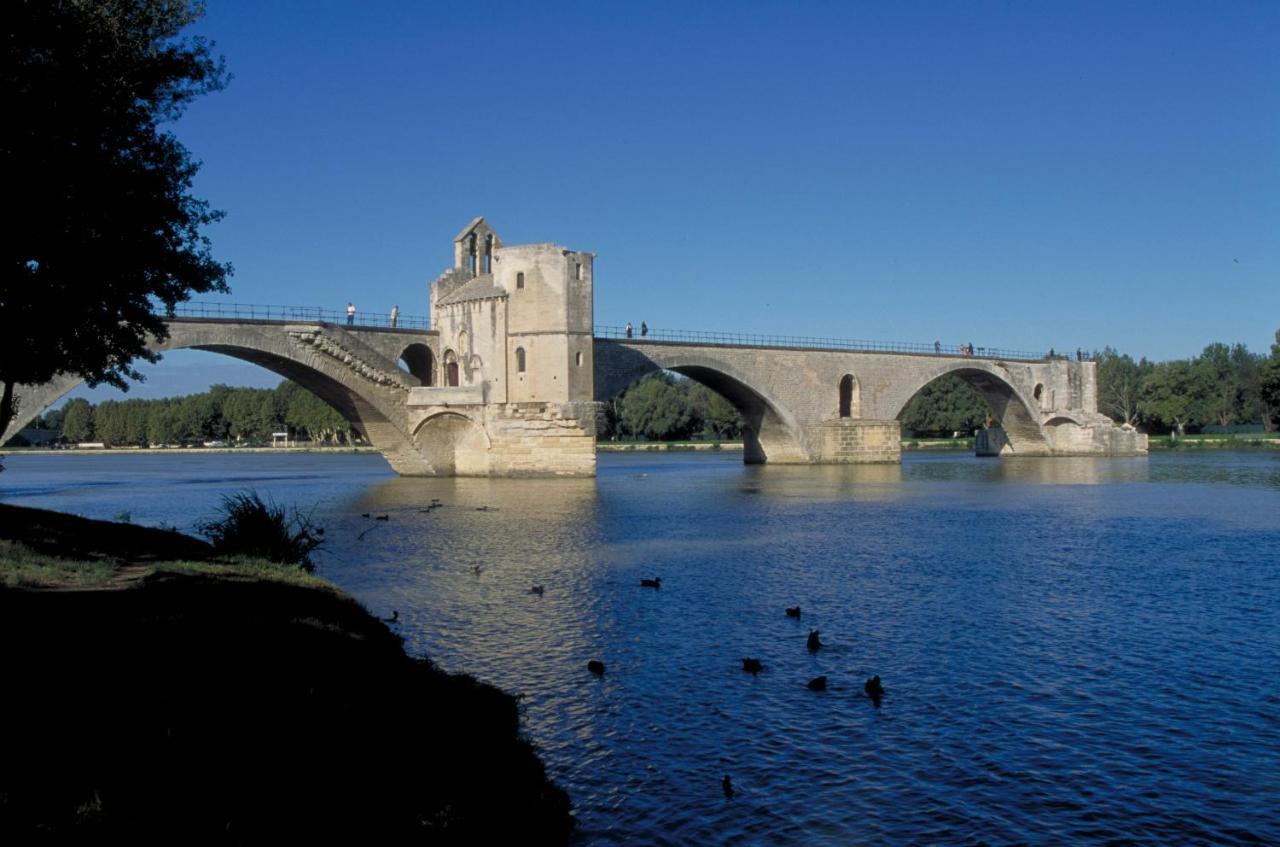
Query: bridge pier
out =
(855, 441)
(455, 433)
(1092, 435)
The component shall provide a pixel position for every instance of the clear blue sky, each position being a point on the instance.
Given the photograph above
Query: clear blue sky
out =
(1012, 174)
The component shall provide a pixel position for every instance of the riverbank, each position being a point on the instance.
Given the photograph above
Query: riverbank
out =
(1214, 442)
(170, 451)
(156, 694)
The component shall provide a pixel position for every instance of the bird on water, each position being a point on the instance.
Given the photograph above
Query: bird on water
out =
(726, 785)
(656, 582)
(752, 666)
(818, 683)
(537, 589)
(814, 643)
(596, 667)
(395, 616)
(793, 612)
(874, 689)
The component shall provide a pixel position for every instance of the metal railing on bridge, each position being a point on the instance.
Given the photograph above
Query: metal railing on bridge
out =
(213, 310)
(809, 343)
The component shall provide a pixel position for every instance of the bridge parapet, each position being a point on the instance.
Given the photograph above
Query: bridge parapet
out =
(700, 338)
(446, 395)
(246, 312)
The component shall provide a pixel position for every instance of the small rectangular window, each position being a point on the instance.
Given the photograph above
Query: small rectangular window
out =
(577, 270)
(520, 280)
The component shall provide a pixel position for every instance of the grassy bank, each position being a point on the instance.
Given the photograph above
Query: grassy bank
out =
(661, 446)
(155, 694)
(1212, 441)
(934, 444)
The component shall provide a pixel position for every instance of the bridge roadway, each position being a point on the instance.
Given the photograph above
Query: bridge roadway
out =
(800, 404)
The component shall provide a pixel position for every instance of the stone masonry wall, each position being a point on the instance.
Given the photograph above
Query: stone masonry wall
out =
(854, 441)
(542, 439)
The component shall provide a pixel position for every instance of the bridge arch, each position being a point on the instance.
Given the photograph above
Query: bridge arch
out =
(360, 384)
(453, 444)
(419, 361)
(1017, 414)
(770, 431)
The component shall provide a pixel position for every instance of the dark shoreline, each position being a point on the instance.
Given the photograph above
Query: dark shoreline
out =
(214, 707)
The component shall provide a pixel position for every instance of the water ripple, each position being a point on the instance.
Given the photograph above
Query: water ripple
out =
(1074, 651)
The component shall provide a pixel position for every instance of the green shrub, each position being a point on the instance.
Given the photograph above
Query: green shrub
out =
(251, 527)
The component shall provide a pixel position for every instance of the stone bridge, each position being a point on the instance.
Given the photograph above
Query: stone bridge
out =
(805, 405)
(356, 370)
(510, 379)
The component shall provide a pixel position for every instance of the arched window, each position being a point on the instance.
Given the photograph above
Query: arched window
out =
(471, 253)
(450, 369)
(846, 396)
(520, 280)
(520, 360)
(579, 358)
(488, 253)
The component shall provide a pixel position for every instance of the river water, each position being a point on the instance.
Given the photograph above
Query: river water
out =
(1075, 650)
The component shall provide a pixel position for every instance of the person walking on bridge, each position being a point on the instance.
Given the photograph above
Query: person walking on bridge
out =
(395, 315)
(627, 329)
(351, 313)
(644, 329)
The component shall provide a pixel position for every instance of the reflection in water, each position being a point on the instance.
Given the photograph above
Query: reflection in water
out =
(1038, 470)
(1088, 648)
(1036, 622)
(842, 482)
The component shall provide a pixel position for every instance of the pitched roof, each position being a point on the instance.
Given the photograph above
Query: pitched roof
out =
(480, 288)
(467, 229)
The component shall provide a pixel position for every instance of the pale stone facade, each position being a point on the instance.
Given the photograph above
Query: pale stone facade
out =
(514, 330)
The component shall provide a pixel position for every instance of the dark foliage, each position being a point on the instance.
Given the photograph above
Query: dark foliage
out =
(260, 529)
(667, 407)
(945, 406)
(103, 223)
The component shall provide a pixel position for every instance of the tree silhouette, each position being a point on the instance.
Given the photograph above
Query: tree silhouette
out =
(102, 223)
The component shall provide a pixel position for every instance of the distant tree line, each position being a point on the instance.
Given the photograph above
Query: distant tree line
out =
(223, 413)
(1223, 386)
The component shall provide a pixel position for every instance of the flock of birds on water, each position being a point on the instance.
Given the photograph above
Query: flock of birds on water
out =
(873, 688)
